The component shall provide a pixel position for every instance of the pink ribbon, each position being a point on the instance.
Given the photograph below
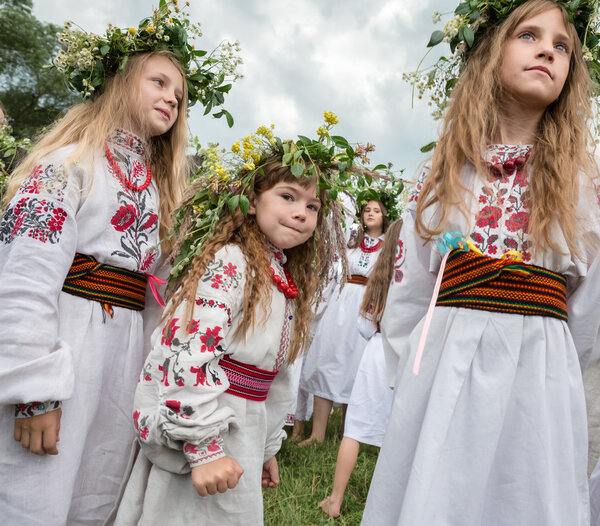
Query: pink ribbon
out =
(429, 315)
(154, 282)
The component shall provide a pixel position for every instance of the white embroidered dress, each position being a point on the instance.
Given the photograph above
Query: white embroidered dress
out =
(493, 429)
(331, 363)
(185, 418)
(56, 347)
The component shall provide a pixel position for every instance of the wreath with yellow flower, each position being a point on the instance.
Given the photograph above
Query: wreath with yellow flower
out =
(87, 59)
(225, 178)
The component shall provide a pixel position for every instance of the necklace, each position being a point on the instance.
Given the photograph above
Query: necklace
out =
(124, 179)
(289, 289)
(368, 250)
(508, 166)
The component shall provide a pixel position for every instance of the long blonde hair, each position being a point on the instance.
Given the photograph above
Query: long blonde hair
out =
(472, 122)
(90, 123)
(308, 263)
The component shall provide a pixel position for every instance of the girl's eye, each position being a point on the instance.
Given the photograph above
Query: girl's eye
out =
(526, 36)
(287, 197)
(159, 82)
(314, 208)
(562, 47)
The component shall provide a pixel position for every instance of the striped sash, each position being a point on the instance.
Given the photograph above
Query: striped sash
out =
(480, 282)
(247, 381)
(358, 279)
(111, 286)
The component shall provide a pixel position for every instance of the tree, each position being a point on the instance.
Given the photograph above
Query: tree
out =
(33, 95)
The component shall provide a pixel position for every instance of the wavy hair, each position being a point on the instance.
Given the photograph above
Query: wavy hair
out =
(89, 123)
(308, 263)
(375, 297)
(472, 122)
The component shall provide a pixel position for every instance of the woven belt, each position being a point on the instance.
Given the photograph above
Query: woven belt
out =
(359, 280)
(504, 285)
(111, 286)
(247, 381)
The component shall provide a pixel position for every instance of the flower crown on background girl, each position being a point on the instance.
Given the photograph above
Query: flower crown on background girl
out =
(87, 59)
(468, 27)
(225, 178)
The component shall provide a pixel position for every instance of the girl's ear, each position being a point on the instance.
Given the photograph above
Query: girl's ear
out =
(252, 199)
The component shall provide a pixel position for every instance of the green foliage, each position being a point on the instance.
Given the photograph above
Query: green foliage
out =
(33, 96)
(11, 150)
(306, 478)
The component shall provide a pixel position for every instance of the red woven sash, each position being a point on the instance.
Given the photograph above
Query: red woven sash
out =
(481, 282)
(111, 286)
(247, 381)
(358, 280)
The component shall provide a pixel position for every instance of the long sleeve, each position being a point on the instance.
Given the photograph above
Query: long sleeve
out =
(38, 239)
(178, 400)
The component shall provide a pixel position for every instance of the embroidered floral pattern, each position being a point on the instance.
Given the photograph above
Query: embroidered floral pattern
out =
(399, 261)
(365, 257)
(39, 219)
(49, 179)
(207, 451)
(128, 141)
(35, 409)
(214, 304)
(222, 276)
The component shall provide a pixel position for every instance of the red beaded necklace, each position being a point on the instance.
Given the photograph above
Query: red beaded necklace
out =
(289, 289)
(368, 250)
(124, 179)
(508, 166)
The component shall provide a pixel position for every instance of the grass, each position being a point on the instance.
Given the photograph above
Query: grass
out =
(306, 478)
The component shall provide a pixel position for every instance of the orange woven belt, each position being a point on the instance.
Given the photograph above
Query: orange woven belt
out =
(111, 286)
(359, 280)
(481, 282)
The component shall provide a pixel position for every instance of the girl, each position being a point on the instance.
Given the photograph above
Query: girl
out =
(371, 398)
(84, 217)
(216, 387)
(490, 427)
(332, 360)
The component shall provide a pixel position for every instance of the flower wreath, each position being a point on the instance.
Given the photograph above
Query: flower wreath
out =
(87, 59)
(224, 180)
(468, 27)
(386, 192)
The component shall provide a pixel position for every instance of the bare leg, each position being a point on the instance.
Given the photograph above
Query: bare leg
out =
(298, 431)
(346, 460)
(320, 416)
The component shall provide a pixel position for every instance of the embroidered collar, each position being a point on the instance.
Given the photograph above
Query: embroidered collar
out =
(278, 254)
(372, 241)
(500, 153)
(128, 141)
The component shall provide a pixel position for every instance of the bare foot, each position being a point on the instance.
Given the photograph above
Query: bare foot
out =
(330, 506)
(310, 440)
(298, 431)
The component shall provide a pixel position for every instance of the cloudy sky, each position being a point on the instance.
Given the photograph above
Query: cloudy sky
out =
(302, 57)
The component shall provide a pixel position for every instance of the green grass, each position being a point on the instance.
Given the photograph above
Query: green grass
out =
(306, 477)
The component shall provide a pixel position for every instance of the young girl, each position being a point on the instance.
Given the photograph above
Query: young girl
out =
(488, 424)
(371, 398)
(216, 387)
(332, 360)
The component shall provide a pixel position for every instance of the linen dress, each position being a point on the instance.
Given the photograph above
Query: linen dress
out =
(371, 398)
(331, 363)
(492, 431)
(185, 418)
(59, 348)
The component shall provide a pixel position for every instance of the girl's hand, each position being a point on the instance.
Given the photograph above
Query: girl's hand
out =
(219, 475)
(270, 473)
(39, 433)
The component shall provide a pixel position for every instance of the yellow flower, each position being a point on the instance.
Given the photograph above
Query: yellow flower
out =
(235, 148)
(264, 131)
(249, 166)
(322, 132)
(256, 157)
(150, 29)
(132, 30)
(330, 118)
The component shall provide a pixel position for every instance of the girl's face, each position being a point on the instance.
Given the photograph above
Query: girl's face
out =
(536, 60)
(286, 213)
(373, 218)
(161, 90)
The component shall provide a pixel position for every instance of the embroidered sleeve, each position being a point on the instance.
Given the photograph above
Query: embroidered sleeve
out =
(38, 236)
(178, 403)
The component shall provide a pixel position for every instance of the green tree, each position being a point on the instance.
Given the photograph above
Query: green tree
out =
(33, 96)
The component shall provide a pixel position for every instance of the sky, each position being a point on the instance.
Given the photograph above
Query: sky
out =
(302, 57)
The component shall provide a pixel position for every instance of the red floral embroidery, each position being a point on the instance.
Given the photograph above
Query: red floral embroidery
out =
(217, 281)
(55, 224)
(148, 260)
(124, 217)
(518, 221)
(492, 249)
(477, 237)
(213, 446)
(191, 449)
(488, 216)
(168, 332)
(210, 339)
(230, 269)
(193, 326)
(173, 405)
(136, 416)
(200, 375)
(151, 220)
(144, 433)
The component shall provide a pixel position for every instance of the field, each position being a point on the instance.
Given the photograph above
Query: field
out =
(306, 477)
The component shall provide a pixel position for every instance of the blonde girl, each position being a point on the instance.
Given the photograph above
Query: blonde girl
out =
(371, 398)
(488, 423)
(84, 216)
(216, 388)
(332, 360)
